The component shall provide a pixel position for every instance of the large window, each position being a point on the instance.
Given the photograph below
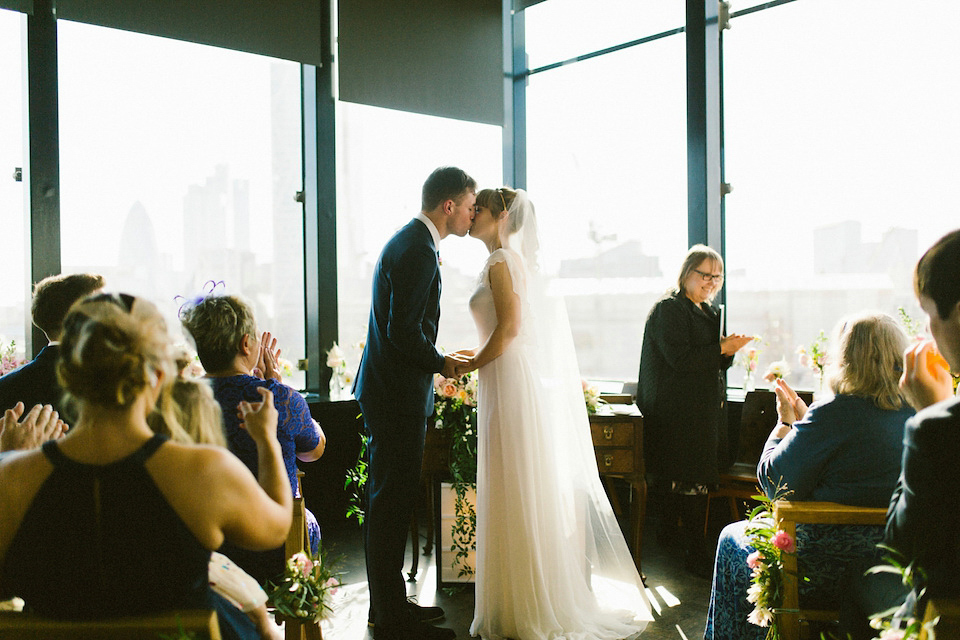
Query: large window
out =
(179, 167)
(14, 285)
(606, 155)
(383, 158)
(841, 137)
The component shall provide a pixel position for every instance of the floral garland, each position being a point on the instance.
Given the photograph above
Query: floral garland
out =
(909, 574)
(766, 562)
(304, 589)
(455, 411)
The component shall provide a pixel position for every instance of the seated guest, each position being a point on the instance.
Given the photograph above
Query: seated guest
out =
(114, 520)
(225, 333)
(36, 382)
(923, 519)
(198, 413)
(844, 449)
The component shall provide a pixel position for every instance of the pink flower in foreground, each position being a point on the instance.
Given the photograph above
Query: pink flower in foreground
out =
(754, 560)
(785, 542)
(302, 562)
(332, 584)
(449, 390)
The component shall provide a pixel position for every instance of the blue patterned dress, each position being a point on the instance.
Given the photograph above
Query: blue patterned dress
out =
(295, 428)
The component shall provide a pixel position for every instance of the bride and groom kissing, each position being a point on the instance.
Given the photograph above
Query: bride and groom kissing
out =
(547, 538)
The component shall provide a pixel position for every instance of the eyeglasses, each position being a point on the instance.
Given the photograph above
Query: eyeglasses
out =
(709, 277)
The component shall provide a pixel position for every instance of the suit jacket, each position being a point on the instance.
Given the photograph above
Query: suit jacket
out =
(400, 356)
(34, 382)
(923, 520)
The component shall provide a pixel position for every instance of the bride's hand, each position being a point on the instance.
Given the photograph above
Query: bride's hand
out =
(466, 367)
(467, 353)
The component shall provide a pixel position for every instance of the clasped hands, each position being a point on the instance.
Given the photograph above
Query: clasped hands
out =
(790, 408)
(458, 363)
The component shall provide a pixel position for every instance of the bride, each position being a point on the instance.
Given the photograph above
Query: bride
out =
(549, 549)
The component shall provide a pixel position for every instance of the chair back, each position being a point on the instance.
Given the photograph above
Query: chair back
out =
(788, 515)
(941, 619)
(24, 626)
(297, 537)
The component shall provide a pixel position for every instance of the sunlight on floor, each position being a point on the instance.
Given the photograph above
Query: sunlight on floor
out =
(680, 631)
(668, 598)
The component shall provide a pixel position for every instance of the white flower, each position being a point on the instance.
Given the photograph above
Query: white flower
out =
(754, 593)
(777, 369)
(760, 617)
(335, 357)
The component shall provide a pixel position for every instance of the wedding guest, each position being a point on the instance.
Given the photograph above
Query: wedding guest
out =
(232, 353)
(198, 413)
(923, 519)
(36, 382)
(843, 449)
(114, 520)
(682, 392)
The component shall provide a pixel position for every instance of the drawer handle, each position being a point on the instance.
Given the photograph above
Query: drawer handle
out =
(608, 460)
(608, 432)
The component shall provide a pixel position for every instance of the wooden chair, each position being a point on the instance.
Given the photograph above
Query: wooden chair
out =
(946, 612)
(298, 540)
(24, 626)
(789, 515)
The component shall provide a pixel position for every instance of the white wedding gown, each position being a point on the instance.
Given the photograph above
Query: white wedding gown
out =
(549, 550)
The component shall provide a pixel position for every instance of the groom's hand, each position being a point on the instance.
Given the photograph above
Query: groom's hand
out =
(450, 363)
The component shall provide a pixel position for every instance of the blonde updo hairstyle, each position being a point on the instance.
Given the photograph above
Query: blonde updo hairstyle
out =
(113, 347)
(189, 412)
(867, 357)
(217, 324)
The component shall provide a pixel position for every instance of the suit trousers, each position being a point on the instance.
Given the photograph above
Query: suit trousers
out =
(395, 449)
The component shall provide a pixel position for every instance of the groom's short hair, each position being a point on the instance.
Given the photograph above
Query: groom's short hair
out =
(445, 183)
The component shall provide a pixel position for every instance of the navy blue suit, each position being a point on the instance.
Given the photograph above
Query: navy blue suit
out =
(395, 390)
(33, 383)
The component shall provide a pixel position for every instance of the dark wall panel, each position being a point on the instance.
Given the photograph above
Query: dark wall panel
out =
(425, 56)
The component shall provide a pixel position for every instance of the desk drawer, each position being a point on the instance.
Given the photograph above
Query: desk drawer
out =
(612, 434)
(615, 461)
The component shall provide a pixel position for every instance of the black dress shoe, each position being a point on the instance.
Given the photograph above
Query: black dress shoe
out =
(418, 613)
(413, 631)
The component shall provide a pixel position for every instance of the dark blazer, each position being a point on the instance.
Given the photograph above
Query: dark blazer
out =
(34, 382)
(923, 520)
(682, 391)
(399, 358)
(846, 449)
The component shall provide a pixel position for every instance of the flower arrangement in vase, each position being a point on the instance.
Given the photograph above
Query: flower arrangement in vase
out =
(338, 376)
(749, 358)
(815, 357)
(10, 359)
(591, 396)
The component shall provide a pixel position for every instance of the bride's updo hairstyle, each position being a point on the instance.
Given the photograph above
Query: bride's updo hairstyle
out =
(113, 346)
(498, 200)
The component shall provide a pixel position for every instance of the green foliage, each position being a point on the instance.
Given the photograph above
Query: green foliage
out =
(356, 481)
(303, 590)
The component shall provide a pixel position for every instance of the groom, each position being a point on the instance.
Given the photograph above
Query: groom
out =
(395, 390)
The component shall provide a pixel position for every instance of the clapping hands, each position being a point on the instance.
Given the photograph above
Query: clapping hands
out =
(41, 423)
(269, 358)
(729, 345)
(790, 408)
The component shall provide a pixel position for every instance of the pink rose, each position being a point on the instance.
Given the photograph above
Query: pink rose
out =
(332, 584)
(302, 562)
(754, 559)
(449, 390)
(785, 542)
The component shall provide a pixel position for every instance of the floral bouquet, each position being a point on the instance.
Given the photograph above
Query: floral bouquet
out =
(591, 396)
(303, 591)
(910, 574)
(10, 359)
(766, 563)
(778, 370)
(816, 357)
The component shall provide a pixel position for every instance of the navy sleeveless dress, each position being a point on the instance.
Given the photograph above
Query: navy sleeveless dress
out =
(101, 541)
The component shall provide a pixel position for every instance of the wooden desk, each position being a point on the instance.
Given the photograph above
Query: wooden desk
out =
(618, 443)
